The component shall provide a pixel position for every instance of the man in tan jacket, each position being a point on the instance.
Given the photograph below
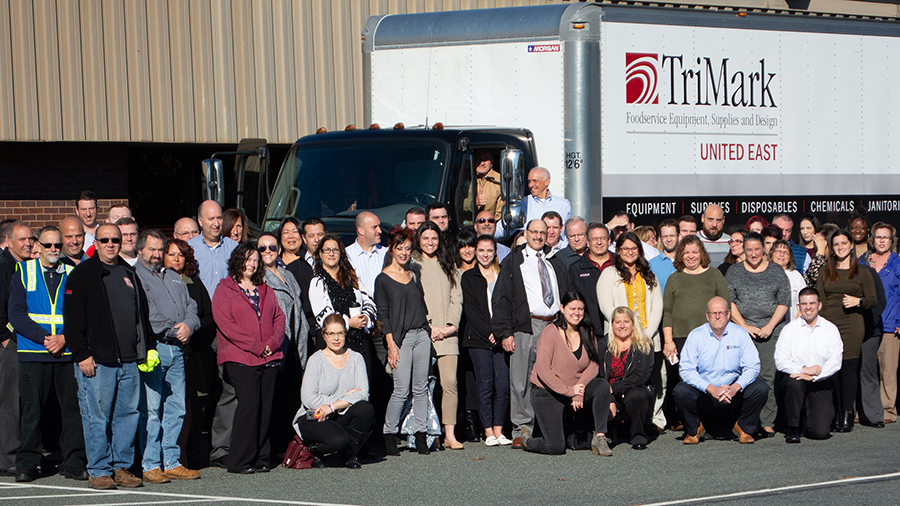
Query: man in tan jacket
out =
(487, 181)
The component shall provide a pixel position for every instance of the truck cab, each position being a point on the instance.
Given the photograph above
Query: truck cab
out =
(335, 176)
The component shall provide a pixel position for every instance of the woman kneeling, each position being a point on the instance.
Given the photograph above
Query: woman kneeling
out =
(335, 393)
(564, 374)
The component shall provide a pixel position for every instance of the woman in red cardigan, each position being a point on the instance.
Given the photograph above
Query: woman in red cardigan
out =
(250, 335)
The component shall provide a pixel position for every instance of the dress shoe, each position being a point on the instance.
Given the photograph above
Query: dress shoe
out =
(845, 422)
(743, 437)
(183, 473)
(263, 469)
(422, 444)
(390, 445)
(124, 478)
(26, 475)
(352, 463)
(8, 471)
(77, 474)
(517, 444)
(156, 476)
(639, 446)
(220, 462)
(693, 439)
(878, 425)
(102, 483)
(249, 470)
(793, 435)
(600, 446)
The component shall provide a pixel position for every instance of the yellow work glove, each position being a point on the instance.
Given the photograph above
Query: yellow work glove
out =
(151, 363)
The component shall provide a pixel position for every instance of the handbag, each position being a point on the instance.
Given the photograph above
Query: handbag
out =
(297, 455)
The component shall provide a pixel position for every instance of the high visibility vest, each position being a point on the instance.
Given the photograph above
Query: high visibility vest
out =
(44, 312)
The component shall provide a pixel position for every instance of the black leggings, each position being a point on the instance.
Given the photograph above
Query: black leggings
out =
(846, 382)
(339, 432)
(549, 408)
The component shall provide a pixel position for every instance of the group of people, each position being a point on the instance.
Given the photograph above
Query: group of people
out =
(578, 336)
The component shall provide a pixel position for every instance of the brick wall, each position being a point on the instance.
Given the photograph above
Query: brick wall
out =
(38, 213)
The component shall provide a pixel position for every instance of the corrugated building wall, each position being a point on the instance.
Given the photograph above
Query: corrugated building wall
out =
(208, 71)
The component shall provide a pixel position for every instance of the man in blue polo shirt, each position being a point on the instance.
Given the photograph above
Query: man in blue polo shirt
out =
(720, 370)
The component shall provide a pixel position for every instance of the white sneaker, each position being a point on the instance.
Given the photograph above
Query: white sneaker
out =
(492, 441)
(504, 441)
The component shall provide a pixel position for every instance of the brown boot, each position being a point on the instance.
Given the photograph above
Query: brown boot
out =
(102, 483)
(692, 440)
(744, 438)
(182, 473)
(156, 476)
(124, 478)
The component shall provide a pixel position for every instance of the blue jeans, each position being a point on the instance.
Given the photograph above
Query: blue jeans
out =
(163, 394)
(109, 404)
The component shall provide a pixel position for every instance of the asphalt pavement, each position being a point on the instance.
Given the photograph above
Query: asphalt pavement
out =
(859, 468)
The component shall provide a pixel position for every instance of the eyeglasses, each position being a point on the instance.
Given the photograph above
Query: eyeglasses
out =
(48, 245)
(717, 314)
(330, 251)
(632, 249)
(485, 220)
(334, 334)
(575, 236)
(271, 247)
(736, 241)
(537, 232)
(883, 238)
(104, 240)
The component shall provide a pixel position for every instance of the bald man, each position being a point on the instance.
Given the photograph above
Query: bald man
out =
(714, 240)
(72, 231)
(367, 254)
(186, 229)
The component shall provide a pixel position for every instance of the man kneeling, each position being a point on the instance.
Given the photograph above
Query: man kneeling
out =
(719, 370)
(809, 352)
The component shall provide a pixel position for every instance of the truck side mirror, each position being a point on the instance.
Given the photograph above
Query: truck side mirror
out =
(512, 169)
(212, 178)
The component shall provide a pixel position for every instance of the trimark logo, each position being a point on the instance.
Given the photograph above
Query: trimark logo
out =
(641, 78)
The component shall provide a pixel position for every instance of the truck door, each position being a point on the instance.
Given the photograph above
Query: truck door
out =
(248, 186)
(481, 163)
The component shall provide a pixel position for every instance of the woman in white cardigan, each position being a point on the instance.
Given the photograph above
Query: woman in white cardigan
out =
(629, 282)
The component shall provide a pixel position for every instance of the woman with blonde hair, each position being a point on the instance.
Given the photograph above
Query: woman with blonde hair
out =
(627, 362)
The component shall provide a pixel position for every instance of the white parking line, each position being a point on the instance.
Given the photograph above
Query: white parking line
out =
(23, 497)
(749, 493)
(175, 501)
(193, 497)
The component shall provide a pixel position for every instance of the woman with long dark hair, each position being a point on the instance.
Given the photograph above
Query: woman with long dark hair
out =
(335, 290)
(846, 291)
(565, 376)
(401, 309)
(290, 239)
(443, 298)
(234, 225)
(250, 336)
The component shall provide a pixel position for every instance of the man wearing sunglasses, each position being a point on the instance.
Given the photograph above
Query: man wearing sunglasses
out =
(35, 311)
(108, 332)
(486, 224)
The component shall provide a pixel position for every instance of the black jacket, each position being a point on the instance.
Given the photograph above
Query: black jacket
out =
(568, 256)
(475, 307)
(7, 269)
(90, 331)
(202, 340)
(583, 276)
(510, 303)
(638, 367)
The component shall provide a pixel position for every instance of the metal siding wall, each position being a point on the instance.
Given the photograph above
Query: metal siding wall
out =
(71, 81)
(96, 122)
(160, 68)
(7, 99)
(24, 73)
(205, 70)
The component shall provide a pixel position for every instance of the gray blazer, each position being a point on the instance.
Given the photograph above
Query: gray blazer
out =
(296, 329)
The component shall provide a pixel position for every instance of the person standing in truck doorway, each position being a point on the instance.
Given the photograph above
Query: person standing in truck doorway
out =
(541, 200)
(487, 181)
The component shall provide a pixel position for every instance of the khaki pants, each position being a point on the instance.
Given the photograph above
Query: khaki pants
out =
(887, 363)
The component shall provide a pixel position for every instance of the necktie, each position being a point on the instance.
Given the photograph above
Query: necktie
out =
(546, 289)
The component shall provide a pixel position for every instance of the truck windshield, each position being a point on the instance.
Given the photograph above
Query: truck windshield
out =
(336, 180)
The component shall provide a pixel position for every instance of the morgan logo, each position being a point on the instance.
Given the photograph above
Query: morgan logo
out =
(641, 78)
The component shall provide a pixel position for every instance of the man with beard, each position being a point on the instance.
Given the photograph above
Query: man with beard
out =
(714, 240)
(35, 310)
(173, 318)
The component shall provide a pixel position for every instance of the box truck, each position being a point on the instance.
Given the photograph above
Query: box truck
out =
(653, 110)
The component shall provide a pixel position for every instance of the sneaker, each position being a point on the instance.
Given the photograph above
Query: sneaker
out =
(124, 478)
(491, 441)
(504, 441)
(156, 476)
(102, 483)
(183, 473)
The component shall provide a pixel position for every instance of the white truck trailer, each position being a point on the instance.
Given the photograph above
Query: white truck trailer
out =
(659, 111)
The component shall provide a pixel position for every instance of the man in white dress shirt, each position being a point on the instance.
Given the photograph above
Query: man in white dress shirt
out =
(809, 351)
(366, 255)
